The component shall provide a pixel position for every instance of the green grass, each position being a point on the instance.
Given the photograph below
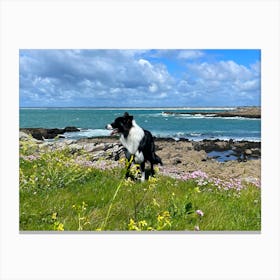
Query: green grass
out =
(57, 193)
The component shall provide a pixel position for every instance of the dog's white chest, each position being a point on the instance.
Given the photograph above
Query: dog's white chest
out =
(132, 141)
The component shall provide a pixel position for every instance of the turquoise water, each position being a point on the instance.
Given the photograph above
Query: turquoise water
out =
(92, 122)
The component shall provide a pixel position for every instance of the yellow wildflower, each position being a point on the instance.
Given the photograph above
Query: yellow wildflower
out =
(54, 216)
(142, 223)
(60, 227)
(155, 203)
(197, 190)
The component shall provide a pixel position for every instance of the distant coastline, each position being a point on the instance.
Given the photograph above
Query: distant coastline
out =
(243, 112)
(145, 108)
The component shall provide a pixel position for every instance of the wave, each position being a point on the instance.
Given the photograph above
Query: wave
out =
(177, 135)
(208, 116)
(87, 133)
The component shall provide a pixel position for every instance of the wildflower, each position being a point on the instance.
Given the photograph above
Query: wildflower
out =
(54, 216)
(84, 206)
(128, 182)
(197, 190)
(142, 223)
(199, 213)
(155, 203)
(60, 227)
(152, 180)
(156, 169)
(132, 225)
(31, 157)
(135, 170)
(196, 228)
(163, 220)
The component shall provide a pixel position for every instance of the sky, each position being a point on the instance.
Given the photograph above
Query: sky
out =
(139, 78)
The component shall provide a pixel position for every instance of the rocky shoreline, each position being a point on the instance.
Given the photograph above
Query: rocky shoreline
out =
(48, 133)
(178, 156)
(243, 112)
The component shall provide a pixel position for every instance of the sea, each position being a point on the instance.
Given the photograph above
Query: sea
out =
(92, 121)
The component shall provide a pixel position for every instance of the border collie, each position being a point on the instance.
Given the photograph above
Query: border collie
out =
(137, 142)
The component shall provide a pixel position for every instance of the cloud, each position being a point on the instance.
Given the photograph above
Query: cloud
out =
(224, 82)
(190, 54)
(88, 76)
(221, 71)
(134, 78)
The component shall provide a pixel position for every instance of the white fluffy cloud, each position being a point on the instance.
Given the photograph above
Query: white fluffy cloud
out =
(134, 78)
(190, 54)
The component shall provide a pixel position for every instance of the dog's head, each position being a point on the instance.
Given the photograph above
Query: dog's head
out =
(121, 125)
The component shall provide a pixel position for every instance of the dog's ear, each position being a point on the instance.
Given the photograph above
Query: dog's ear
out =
(127, 116)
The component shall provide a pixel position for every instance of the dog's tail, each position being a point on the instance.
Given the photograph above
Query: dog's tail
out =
(157, 159)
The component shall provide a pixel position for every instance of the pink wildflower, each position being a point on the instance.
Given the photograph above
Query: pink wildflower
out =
(199, 213)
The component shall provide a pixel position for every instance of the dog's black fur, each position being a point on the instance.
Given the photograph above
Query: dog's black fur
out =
(137, 142)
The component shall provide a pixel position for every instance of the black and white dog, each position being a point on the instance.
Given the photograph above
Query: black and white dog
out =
(137, 142)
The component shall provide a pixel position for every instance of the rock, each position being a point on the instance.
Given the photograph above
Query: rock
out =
(92, 147)
(177, 161)
(69, 142)
(248, 152)
(75, 148)
(71, 129)
(256, 152)
(108, 146)
(211, 145)
(24, 136)
(45, 145)
(47, 133)
(27, 137)
(98, 155)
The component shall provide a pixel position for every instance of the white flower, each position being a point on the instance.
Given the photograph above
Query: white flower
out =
(196, 228)
(199, 213)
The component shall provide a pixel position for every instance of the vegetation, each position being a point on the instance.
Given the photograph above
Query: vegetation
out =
(64, 190)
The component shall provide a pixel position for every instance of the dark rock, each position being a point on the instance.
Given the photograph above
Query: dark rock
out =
(177, 161)
(47, 133)
(71, 129)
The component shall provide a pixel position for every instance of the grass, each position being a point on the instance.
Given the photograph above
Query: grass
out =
(62, 190)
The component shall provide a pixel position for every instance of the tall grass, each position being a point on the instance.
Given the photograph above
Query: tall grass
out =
(60, 190)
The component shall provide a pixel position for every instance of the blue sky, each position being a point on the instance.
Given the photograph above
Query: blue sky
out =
(139, 78)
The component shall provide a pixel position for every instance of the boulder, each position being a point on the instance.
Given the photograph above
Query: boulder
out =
(248, 152)
(75, 148)
(47, 133)
(176, 161)
(27, 137)
(92, 147)
(71, 129)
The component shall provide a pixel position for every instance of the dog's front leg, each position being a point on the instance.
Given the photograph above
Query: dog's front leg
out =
(142, 167)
